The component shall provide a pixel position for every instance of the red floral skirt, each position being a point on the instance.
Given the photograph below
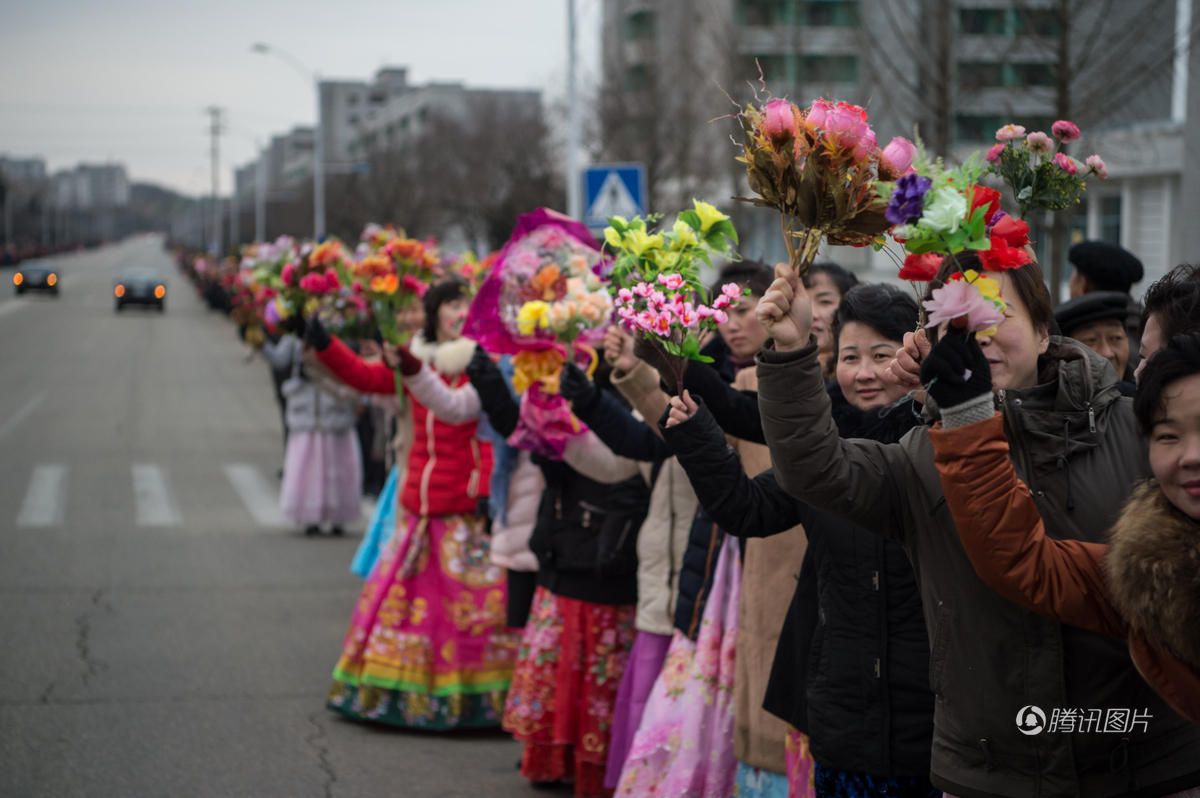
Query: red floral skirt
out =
(564, 687)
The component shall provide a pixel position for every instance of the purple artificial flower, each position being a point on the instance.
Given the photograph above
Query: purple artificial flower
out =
(908, 199)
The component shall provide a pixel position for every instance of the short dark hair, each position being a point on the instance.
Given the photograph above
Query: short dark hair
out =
(1175, 299)
(444, 290)
(886, 309)
(841, 277)
(1027, 281)
(1178, 359)
(752, 274)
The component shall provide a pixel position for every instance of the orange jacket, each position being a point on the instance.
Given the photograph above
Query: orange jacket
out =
(1065, 580)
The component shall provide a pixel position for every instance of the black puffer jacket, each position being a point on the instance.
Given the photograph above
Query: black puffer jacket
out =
(851, 668)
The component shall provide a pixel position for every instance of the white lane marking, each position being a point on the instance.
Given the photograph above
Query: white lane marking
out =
(13, 421)
(260, 496)
(45, 498)
(153, 500)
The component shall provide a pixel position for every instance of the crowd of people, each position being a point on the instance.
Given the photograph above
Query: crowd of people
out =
(847, 559)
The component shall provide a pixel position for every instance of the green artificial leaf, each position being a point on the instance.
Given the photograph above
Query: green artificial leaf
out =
(691, 219)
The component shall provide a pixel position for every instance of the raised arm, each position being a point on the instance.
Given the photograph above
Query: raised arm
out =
(354, 371)
(1002, 533)
(744, 507)
(451, 405)
(588, 455)
(624, 433)
(495, 397)
(640, 385)
(735, 411)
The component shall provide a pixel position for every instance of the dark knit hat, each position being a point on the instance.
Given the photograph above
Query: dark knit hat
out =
(1106, 266)
(1091, 307)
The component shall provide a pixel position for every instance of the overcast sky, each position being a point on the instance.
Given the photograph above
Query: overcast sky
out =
(128, 80)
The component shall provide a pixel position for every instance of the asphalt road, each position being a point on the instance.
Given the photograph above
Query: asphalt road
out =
(161, 631)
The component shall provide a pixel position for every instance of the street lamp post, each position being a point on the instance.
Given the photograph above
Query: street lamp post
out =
(318, 135)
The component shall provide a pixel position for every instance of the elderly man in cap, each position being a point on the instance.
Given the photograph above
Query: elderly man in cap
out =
(1100, 266)
(1097, 320)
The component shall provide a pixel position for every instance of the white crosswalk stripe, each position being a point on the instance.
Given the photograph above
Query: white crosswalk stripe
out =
(154, 503)
(45, 498)
(257, 493)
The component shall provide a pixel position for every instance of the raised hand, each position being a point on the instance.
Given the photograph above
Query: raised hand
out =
(956, 370)
(785, 310)
(682, 408)
(905, 368)
(618, 349)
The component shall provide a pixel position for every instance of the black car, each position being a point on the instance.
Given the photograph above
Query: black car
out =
(35, 278)
(140, 287)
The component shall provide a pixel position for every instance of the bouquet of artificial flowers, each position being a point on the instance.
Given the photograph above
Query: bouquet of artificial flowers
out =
(1041, 175)
(655, 279)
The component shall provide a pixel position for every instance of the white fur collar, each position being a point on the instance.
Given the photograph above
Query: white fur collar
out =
(449, 359)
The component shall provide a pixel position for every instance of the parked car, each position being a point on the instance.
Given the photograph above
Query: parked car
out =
(140, 287)
(36, 278)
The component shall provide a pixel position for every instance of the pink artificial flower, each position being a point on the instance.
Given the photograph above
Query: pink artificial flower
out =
(731, 290)
(1039, 143)
(1096, 164)
(1063, 162)
(720, 316)
(658, 298)
(957, 299)
(688, 317)
(288, 275)
(313, 283)
(414, 285)
(331, 280)
(1010, 133)
(626, 312)
(645, 321)
(624, 295)
(779, 123)
(704, 312)
(898, 155)
(866, 145)
(662, 325)
(1065, 131)
(356, 286)
(994, 153)
(643, 289)
(818, 112)
(673, 282)
(721, 302)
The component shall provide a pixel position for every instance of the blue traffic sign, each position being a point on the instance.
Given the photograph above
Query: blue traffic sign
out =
(614, 189)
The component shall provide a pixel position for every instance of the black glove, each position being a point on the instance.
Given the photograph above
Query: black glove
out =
(574, 385)
(315, 335)
(955, 370)
(480, 364)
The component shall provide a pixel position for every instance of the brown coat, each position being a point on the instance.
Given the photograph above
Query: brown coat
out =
(770, 569)
(1141, 585)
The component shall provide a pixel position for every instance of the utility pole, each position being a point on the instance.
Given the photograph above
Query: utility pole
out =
(215, 133)
(235, 210)
(260, 197)
(574, 200)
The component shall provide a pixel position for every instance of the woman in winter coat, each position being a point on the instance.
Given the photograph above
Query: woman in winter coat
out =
(322, 470)
(850, 670)
(1142, 583)
(1075, 443)
(427, 645)
(580, 628)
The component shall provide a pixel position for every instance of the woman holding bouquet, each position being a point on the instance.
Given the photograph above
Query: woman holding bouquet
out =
(1074, 442)
(427, 645)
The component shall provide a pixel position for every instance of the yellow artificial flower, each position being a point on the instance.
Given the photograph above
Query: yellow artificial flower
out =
(989, 288)
(708, 214)
(531, 316)
(666, 260)
(685, 236)
(612, 237)
(637, 241)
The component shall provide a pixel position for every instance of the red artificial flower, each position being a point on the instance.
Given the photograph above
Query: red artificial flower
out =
(982, 196)
(1001, 257)
(922, 268)
(1013, 231)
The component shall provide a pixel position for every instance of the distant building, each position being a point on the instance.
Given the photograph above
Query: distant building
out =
(91, 187)
(22, 170)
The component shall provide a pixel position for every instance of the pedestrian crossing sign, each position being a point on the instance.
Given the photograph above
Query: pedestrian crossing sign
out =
(615, 189)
